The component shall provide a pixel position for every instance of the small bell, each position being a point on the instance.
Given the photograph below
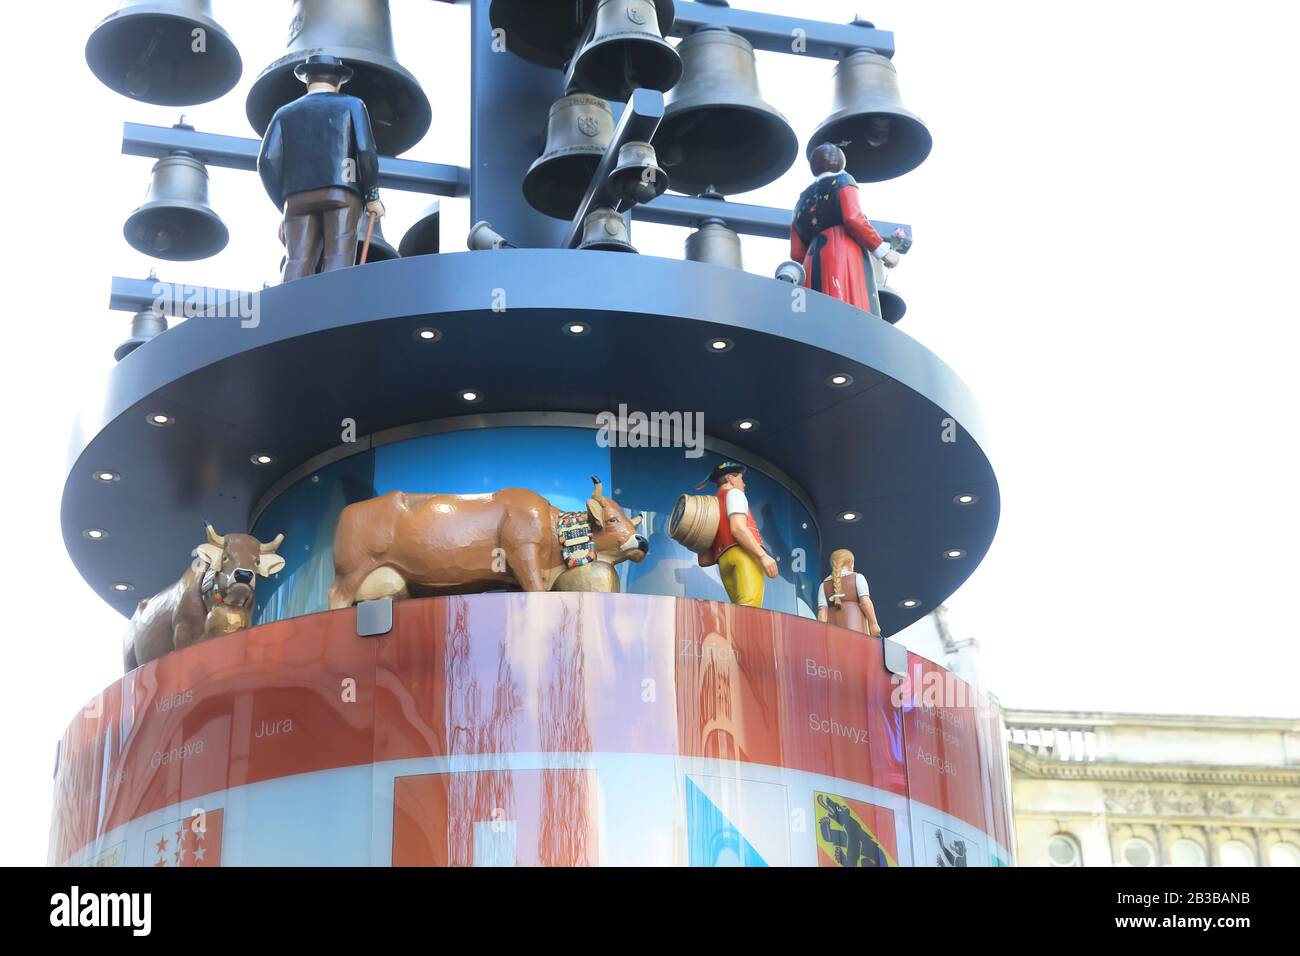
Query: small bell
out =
(145, 326)
(424, 238)
(483, 238)
(716, 244)
(176, 221)
(638, 178)
(604, 230)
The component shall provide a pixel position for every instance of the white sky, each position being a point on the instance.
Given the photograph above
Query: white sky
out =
(1106, 243)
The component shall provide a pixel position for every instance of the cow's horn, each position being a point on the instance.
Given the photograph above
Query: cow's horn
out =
(600, 488)
(214, 538)
(272, 546)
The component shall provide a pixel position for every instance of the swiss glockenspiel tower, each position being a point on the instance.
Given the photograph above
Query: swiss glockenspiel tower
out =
(531, 553)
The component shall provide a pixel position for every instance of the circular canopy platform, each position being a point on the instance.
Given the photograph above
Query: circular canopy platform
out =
(899, 445)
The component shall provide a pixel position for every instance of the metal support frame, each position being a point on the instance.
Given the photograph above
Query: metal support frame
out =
(641, 118)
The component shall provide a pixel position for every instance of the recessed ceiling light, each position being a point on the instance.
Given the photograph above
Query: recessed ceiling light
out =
(576, 328)
(428, 334)
(840, 380)
(745, 425)
(262, 459)
(718, 346)
(849, 516)
(122, 587)
(966, 499)
(953, 554)
(471, 395)
(909, 603)
(95, 534)
(107, 477)
(159, 420)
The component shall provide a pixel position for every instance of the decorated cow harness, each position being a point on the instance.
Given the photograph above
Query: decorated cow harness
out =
(577, 549)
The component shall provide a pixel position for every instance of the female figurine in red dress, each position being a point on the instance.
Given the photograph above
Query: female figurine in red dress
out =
(830, 233)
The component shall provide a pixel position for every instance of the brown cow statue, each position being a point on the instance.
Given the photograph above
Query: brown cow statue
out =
(214, 597)
(403, 545)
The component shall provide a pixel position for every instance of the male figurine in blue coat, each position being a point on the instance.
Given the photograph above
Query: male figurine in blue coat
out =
(320, 167)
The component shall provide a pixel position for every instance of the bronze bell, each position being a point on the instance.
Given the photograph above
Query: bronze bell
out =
(168, 52)
(717, 130)
(892, 305)
(145, 326)
(713, 242)
(577, 135)
(626, 51)
(638, 178)
(880, 138)
(176, 221)
(359, 32)
(548, 32)
(605, 230)
(425, 237)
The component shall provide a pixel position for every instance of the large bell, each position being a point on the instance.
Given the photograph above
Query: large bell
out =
(626, 51)
(145, 326)
(425, 237)
(892, 305)
(638, 178)
(577, 135)
(168, 52)
(177, 222)
(359, 32)
(880, 138)
(548, 32)
(605, 230)
(717, 130)
(716, 244)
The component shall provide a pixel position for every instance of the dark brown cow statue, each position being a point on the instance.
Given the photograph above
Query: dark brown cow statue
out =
(402, 545)
(214, 597)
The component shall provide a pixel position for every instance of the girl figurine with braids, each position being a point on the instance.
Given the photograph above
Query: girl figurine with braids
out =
(844, 599)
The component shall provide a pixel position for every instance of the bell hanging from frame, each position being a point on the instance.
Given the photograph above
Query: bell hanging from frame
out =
(176, 221)
(145, 326)
(360, 33)
(638, 178)
(578, 132)
(626, 51)
(604, 230)
(718, 131)
(892, 305)
(881, 139)
(549, 32)
(166, 52)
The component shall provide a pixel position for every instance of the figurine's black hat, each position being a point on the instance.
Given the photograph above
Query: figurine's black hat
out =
(721, 471)
(322, 64)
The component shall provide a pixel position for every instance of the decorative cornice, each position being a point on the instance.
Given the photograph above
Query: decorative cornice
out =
(1164, 802)
(1092, 720)
(1026, 764)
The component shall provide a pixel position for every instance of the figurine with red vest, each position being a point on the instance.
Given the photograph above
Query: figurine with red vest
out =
(737, 547)
(830, 235)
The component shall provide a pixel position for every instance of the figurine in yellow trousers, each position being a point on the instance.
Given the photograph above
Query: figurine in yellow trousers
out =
(737, 547)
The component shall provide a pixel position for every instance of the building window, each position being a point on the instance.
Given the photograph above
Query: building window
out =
(1063, 850)
(1284, 854)
(1138, 852)
(1187, 853)
(1236, 853)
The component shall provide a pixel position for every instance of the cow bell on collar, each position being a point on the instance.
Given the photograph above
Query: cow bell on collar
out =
(718, 131)
(167, 52)
(880, 138)
(145, 326)
(425, 237)
(626, 51)
(577, 134)
(638, 178)
(360, 33)
(177, 221)
(605, 230)
(548, 32)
